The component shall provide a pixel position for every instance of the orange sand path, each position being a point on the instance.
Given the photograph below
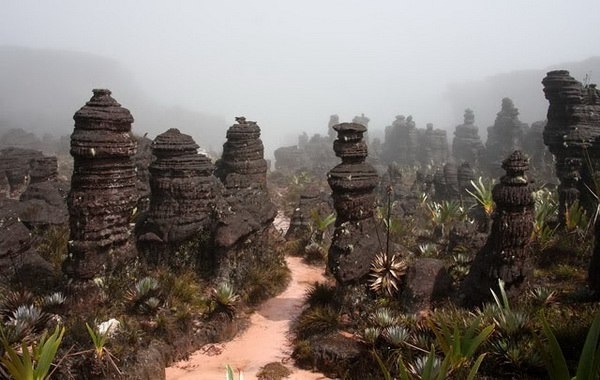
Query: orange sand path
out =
(266, 340)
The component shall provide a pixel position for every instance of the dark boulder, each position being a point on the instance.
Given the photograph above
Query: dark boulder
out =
(427, 281)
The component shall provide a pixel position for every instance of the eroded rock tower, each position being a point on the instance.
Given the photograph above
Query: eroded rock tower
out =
(103, 187)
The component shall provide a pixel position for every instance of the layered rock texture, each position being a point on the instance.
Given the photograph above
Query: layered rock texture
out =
(290, 158)
(103, 187)
(183, 189)
(352, 182)
(504, 255)
(450, 181)
(401, 142)
(433, 146)
(242, 165)
(405, 144)
(32, 178)
(571, 135)
(243, 171)
(311, 201)
(43, 203)
(19, 263)
(142, 159)
(505, 136)
(467, 145)
(465, 175)
(311, 154)
(15, 167)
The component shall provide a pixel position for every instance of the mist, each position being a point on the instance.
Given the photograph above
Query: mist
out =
(196, 65)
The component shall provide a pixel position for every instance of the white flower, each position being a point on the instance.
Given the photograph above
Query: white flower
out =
(109, 328)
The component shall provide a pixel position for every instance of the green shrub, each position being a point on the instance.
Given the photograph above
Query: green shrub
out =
(34, 364)
(320, 294)
(317, 321)
(588, 367)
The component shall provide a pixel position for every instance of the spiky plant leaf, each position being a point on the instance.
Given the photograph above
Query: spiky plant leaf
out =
(589, 361)
(34, 364)
(482, 192)
(556, 363)
(386, 274)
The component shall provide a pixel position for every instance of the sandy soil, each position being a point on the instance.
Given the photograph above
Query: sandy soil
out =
(267, 338)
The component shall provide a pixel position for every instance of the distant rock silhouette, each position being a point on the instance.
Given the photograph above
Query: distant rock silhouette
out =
(467, 145)
(505, 136)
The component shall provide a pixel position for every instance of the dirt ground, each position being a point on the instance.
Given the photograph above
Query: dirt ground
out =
(266, 340)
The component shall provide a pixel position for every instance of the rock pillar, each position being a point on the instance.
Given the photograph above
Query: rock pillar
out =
(504, 255)
(352, 182)
(103, 187)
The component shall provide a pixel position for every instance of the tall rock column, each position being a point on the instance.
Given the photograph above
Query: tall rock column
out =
(243, 171)
(352, 182)
(103, 187)
(401, 141)
(571, 135)
(505, 136)
(504, 255)
(467, 145)
(242, 164)
(183, 188)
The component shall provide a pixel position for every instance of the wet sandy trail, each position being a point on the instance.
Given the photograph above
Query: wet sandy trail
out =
(266, 340)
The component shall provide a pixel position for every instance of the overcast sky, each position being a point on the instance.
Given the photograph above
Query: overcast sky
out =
(289, 65)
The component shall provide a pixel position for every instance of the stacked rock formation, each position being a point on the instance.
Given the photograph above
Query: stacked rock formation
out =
(103, 187)
(467, 145)
(451, 179)
(15, 166)
(352, 182)
(401, 142)
(505, 136)
(362, 119)
(43, 203)
(290, 159)
(243, 171)
(571, 135)
(43, 169)
(533, 145)
(504, 255)
(311, 154)
(142, 159)
(465, 175)
(242, 164)
(406, 145)
(19, 262)
(435, 145)
(439, 185)
(183, 189)
(311, 201)
(4, 185)
(319, 155)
